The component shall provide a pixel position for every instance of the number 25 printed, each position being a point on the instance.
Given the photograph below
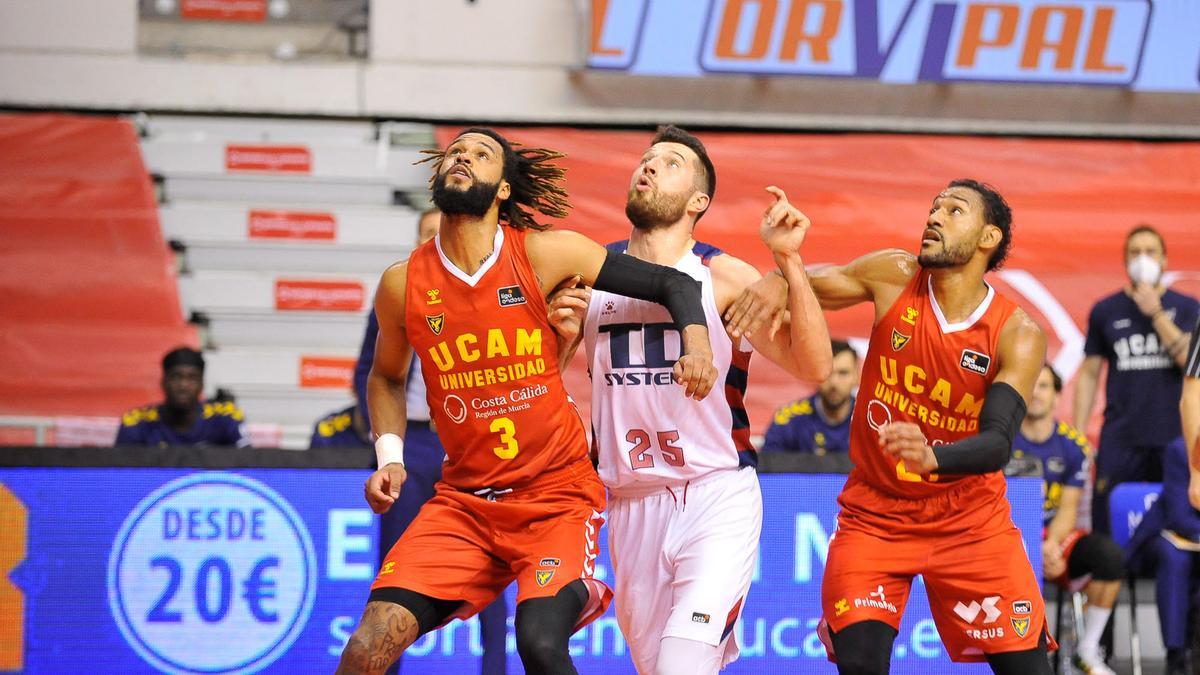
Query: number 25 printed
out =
(641, 456)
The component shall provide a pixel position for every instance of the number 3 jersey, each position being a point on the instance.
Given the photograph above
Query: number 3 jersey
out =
(489, 360)
(647, 433)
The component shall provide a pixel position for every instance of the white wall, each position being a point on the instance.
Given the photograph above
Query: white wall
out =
(79, 26)
(512, 61)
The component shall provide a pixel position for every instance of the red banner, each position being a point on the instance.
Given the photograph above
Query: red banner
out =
(263, 224)
(224, 10)
(328, 296)
(269, 158)
(326, 372)
(1073, 203)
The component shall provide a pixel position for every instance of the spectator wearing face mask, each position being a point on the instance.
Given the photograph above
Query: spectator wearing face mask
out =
(1141, 334)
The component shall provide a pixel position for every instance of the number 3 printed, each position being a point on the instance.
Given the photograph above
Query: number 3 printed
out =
(507, 431)
(639, 454)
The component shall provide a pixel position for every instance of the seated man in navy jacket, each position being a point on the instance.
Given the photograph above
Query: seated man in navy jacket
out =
(182, 419)
(346, 428)
(820, 423)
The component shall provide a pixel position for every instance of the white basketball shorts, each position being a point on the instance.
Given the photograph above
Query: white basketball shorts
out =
(683, 557)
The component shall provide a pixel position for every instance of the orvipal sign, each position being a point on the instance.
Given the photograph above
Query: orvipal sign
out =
(1135, 44)
(136, 570)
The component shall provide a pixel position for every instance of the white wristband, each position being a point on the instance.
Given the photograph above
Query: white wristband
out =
(389, 448)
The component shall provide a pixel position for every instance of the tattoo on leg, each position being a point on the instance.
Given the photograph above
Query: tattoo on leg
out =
(386, 629)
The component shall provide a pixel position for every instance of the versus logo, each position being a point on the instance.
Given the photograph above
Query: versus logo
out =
(975, 362)
(510, 295)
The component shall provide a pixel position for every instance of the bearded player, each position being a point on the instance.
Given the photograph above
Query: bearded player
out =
(950, 369)
(685, 508)
(519, 499)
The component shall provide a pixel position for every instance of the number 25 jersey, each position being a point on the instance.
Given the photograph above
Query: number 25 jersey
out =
(647, 433)
(489, 360)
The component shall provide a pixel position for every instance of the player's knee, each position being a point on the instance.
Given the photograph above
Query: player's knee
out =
(543, 653)
(1109, 563)
(864, 648)
(862, 662)
(358, 656)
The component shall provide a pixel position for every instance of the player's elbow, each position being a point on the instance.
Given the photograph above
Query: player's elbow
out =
(823, 365)
(383, 379)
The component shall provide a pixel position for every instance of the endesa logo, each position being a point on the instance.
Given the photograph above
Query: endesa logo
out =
(268, 158)
(1084, 41)
(328, 296)
(267, 224)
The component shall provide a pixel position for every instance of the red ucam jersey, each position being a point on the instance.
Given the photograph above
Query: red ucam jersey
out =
(489, 359)
(921, 369)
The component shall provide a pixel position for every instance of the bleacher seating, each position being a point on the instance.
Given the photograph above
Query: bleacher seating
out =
(283, 228)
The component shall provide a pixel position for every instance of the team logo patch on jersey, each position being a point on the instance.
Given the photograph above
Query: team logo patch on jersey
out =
(511, 295)
(432, 297)
(1022, 607)
(975, 362)
(1020, 625)
(697, 617)
(543, 577)
(436, 323)
(899, 340)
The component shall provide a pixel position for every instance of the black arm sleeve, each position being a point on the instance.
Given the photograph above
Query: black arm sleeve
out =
(679, 293)
(990, 449)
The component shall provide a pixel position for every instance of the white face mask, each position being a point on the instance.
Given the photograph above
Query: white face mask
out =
(1144, 269)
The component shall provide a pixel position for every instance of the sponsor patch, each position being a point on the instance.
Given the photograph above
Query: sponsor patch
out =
(549, 562)
(432, 296)
(841, 607)
(455, 409)
(1022, 607)
(899, 340)
(543, 577)
(1021, 625)
(511, 295)
(975, 362)
(697, 617)
(910, 316)
(436, 323)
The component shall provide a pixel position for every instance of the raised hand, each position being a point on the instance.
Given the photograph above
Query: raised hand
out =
(783, 225)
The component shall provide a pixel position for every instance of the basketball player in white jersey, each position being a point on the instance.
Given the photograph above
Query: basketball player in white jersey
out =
(685, 510)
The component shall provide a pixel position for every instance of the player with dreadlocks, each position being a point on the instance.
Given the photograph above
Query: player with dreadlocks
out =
(519, 499)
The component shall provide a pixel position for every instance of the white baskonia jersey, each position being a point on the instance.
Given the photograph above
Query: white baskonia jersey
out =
(647, 433)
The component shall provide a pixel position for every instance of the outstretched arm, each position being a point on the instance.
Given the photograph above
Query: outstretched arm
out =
(878, 276)
(1020, 354)
(557, 255)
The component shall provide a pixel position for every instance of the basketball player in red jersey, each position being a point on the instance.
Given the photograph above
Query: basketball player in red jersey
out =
(949, 371)
(519, 499)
